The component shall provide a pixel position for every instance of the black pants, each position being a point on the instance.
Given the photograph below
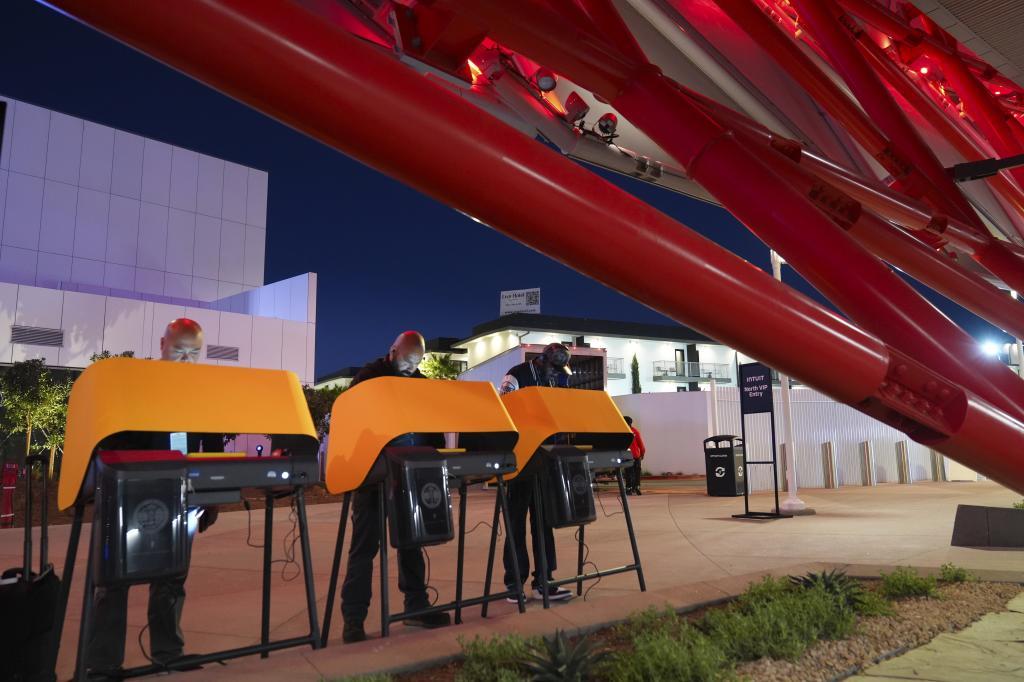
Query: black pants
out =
(110, 621)
(633, 480)
(358, 586)
(520, 501)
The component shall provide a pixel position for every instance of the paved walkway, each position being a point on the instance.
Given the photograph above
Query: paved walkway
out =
(691, 547)
(990, 650)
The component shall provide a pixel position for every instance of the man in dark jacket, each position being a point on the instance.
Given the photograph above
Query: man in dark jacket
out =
(182, 342)
(401, 361)
(550, 368)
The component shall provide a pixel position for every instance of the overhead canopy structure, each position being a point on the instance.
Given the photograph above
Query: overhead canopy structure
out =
(835, 130)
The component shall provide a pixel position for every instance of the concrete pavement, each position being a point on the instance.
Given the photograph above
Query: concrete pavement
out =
(692, 550)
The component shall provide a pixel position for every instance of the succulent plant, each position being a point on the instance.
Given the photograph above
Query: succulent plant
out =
(559, 660)
(845, 589)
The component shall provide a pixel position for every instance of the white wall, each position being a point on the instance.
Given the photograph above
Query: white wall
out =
(82, 203)
(673, 426)
(92, 323)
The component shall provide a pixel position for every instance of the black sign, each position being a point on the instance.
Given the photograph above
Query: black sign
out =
(755, 388)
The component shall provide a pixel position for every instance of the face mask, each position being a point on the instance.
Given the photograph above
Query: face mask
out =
(406, 364)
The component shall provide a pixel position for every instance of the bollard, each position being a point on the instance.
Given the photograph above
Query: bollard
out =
(783, 472)
(903, 462)
(867, 463)
(829, 465)
(938, 466)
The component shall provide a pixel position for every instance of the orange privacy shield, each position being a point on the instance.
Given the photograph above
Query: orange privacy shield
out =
(540, 413)
(121, 394)
(366, 417)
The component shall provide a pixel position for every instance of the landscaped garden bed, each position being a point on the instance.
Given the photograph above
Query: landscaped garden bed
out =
(822, 626)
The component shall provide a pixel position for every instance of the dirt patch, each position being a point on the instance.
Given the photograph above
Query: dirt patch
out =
(915, 622)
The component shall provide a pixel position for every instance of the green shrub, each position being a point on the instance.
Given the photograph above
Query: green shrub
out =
(948, 573)
(374, 677)
(1018, 505)
(560, 660)
(779, 625)
(905, 582)
(873, 604)
(769, 589)
(496, 659)
(689, 657)
(651, 621)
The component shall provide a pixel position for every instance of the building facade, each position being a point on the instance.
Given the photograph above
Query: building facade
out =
(105, 236)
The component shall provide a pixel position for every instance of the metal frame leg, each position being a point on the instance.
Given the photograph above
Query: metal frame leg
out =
(502, 502)
(542, 556)
(268, 551)
(490, 553)
(332, 588)
(65, 586)
(632, 535)
(307, 567)
(87, 604)
(459, 572)
(385, 612)
(579, 561)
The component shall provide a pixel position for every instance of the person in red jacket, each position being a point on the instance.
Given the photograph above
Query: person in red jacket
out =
(638, 450)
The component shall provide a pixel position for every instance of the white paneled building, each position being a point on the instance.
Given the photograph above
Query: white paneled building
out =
(106, 236)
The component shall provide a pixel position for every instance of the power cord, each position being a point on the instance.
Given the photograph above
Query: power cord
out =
(291, 538)
(426, 582)
(588, 562)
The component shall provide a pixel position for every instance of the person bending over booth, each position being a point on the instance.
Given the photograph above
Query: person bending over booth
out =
(550, 368)
(402, 360)
(182, 341)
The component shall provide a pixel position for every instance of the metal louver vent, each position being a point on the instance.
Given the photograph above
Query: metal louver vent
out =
(37, 336)
(214, 352)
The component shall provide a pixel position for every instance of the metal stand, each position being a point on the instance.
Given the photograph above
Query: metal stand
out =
(190, 661)
(580, 577)
(747, 514)
(460, 602)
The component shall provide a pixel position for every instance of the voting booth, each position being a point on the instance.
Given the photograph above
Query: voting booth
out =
(127, 451)
(565, 437)
(389, 432)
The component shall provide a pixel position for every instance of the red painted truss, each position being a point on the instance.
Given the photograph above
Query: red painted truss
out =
(827, 127)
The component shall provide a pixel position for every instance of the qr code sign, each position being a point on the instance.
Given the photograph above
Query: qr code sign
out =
(532, 298)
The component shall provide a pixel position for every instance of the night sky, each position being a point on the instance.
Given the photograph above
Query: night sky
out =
(387, 258)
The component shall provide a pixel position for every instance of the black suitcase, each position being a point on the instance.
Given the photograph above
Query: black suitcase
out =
(28, 602)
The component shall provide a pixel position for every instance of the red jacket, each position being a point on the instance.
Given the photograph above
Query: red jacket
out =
(637, 446)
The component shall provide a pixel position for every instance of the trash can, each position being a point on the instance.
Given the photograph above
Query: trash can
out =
(723, 460)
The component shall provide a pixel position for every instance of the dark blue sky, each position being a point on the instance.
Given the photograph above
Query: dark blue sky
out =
(387, 257)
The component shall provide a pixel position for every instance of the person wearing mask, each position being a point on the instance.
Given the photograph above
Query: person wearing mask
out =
(182, 341)
(638, 450)
(550, 368)
(402, 360)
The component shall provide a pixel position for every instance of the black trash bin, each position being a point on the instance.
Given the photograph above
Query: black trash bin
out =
(723, 461)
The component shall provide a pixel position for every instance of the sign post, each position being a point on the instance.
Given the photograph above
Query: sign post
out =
(755, 381)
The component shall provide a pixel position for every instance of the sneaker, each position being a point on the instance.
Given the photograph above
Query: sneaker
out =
(554, 593)
(637, 492)
(353, 632)
(429, 621)
(512, 599)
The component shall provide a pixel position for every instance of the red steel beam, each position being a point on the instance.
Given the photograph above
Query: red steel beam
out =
(790, 57)
(749, 188)
(278, 54)
(826, 20)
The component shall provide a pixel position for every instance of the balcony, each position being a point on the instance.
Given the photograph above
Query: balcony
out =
(616, 368)
(691, 372)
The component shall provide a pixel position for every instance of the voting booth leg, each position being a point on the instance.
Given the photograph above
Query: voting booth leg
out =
(629, 528)
(579, 560)
(268, 551)
(382, 514)
(87, 604)
(501, 513)
(542, 555)
(307, 567)
(65, 585)
(332, 588)
(461, 552)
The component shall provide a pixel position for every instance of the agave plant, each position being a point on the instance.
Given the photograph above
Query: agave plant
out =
(845, 589)
(559, 660)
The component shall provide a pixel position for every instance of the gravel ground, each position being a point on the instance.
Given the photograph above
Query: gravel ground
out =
(915, 622)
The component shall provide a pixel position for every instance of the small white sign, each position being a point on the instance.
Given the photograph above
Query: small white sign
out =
(520, 301)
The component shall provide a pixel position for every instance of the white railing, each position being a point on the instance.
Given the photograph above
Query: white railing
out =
(667, 370)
